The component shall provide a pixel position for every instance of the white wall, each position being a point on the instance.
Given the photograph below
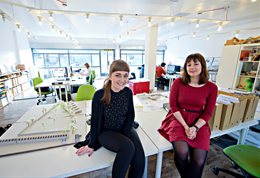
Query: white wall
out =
(14, 48)
(179, 49)
(7, 47)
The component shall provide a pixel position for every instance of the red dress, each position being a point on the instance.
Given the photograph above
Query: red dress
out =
(193, 103)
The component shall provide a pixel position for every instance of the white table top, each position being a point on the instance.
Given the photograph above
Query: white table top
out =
(61, 161)
(150, 123)
(72, 81)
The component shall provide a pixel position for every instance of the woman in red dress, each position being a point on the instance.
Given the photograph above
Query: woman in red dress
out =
(192, 101)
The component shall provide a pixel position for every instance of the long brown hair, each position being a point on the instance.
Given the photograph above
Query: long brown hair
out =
(204, 77)
(117, 65)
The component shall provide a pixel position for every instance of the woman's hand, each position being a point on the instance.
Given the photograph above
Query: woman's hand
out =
(191, 133)
(85, 149)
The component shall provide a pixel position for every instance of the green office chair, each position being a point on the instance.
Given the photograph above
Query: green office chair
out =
(44, 90)
(85, 92)
(92, 77)
(244, 157)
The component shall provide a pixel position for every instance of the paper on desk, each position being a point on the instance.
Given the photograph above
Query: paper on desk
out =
(151, 102)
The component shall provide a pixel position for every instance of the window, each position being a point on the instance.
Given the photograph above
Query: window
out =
(50, 60)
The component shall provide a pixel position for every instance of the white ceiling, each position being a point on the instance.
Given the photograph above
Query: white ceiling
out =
(104, 26)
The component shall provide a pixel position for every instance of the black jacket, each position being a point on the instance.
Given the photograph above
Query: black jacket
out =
(97, 115)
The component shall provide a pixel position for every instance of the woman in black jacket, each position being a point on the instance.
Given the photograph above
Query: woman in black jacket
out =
(111, 124)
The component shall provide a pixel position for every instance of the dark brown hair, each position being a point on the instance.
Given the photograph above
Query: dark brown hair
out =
(87, 65)
(204, 77)
(117, 65)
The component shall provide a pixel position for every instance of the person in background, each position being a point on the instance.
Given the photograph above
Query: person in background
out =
(160, 74)
(142, 71)
(87, 71)
(192, 101)
(112, 119)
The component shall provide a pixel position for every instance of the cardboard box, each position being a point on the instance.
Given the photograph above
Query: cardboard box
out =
(248, 110)
(242, 108)
(234, 115)
(214, 122)
(225, 116)
(256, 100)
(20, 67)
(246, 104)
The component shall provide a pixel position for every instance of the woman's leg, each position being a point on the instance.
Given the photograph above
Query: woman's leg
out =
(138, 161)
(123, 146)
(197, 162)
(181, 154)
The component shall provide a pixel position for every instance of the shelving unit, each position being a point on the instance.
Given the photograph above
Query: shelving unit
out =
(12, 84)
(238, 64)
(248, 68)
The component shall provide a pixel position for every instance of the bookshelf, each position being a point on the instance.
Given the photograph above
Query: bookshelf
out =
(12, 84)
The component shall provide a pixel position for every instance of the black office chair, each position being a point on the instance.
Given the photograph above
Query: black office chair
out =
(133, 76)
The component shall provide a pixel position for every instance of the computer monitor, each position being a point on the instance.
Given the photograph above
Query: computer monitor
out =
(173, 69)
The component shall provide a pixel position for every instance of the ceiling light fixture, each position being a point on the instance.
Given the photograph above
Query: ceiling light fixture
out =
(87, 18)
(207, 37)
(3, 17)
(197, 24)
(51, 16)
(29, 35)
(172, 21)
(121, 20)
(18, 27)
(194, 34)
(149, 22)
(220, 26)
(53, 28)
(39, 20)
(237, 33)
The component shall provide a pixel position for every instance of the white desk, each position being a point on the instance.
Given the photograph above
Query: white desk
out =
(151, 121)
(171, 78)
(62, 161)
(60, 84)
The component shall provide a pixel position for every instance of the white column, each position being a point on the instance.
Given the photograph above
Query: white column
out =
(117, 52)
(150, 54)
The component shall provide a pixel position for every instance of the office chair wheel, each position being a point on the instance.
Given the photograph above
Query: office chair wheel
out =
(89, 122)
(215, 170)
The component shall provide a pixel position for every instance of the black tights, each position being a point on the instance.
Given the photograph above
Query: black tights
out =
(129, 152)
(189, 168)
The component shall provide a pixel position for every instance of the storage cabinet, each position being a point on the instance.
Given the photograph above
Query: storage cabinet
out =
(239, 67)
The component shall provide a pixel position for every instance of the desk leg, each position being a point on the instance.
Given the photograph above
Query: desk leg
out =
(40, 93)
(170, 83)
(145, 167)
(159, 165)
(242, 137)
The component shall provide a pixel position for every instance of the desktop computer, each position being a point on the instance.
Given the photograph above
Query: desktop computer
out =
(173, 69)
